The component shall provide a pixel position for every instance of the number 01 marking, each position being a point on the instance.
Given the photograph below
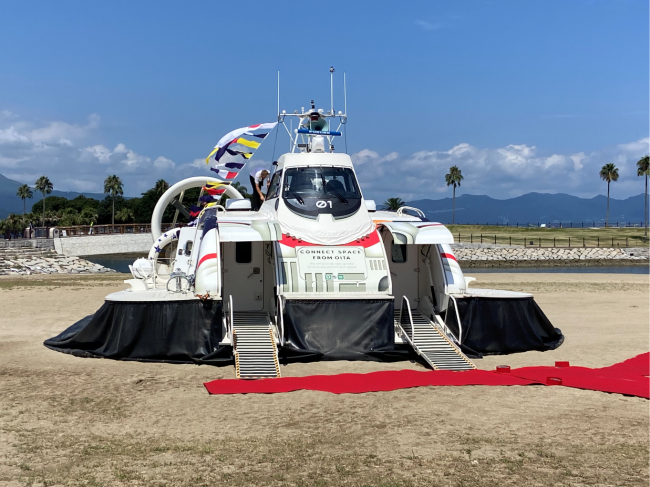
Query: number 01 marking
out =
(323, 204)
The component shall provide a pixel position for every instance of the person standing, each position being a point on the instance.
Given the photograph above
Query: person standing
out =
(257, 177)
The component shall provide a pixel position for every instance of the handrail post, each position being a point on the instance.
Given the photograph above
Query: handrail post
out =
(460, 326)
(230, 314)
(408, 308)
(281, 315)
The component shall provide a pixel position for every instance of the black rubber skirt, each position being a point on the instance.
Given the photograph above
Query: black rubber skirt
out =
(340, 329)
(493, 325)
(176, 332)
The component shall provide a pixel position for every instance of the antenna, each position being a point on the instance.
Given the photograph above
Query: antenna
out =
(345, 97)
(278, 96)
(332, 89)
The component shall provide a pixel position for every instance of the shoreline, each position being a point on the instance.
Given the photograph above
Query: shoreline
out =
(469, 264)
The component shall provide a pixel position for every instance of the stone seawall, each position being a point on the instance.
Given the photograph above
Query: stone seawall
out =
(104, 244)
(36, 243)
(520, 256)
(27, 260)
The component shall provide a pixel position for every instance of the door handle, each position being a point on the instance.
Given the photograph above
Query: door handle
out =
(256, 270)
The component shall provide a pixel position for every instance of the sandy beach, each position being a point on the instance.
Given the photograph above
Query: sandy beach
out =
(71, 421)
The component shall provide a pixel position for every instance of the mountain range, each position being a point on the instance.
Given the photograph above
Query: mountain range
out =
(529, 208)
(10, 203)
(532, 208)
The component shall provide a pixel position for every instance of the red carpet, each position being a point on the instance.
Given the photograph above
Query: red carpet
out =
(629, 377)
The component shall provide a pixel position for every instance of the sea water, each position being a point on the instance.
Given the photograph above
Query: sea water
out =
(622, 269)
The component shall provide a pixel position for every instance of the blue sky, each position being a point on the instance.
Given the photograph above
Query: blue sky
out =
(523, 96)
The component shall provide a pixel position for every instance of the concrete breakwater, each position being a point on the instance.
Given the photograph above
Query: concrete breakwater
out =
(104, 244)
(503, 256)
(25, 261)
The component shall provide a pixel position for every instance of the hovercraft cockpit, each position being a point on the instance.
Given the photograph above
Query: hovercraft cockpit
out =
(311, 191)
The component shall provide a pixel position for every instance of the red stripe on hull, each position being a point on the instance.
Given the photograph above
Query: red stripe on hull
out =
(206, 257)
(449, 256)
(365, 242)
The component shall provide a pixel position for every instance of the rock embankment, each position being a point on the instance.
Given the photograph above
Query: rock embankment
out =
(549, 256)
(24, 261)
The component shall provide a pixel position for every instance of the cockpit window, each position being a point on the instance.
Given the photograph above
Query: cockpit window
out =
(321, 182)
(274, 187)
(310, 191)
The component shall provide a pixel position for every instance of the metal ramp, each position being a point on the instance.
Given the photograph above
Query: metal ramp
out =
(429, 340)
(256, 354)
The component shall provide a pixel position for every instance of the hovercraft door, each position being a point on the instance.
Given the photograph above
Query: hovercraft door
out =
(404, 270)
(243, 275)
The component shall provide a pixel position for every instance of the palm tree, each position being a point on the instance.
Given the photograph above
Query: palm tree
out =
(23, 193)
(643, 170)
(241, 188)
(44, 185)
(113, 185)
(124, 215)
(161, 186)
(453, 179)
(609, 173)
(393, 204)
(11, 223)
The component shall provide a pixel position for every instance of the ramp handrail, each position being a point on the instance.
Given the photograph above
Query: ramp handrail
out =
(280, 319)
(232, 320)
(400, 211)
(410, 316)
(460, 325)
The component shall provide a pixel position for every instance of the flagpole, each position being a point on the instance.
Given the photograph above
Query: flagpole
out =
(345, 97)
(332, 90)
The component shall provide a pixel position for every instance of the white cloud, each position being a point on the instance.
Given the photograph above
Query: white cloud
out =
(99, 152)
(501, 172)
(366, 155)
(121, 154)
(164, 163)
(70, 155)
(77, 157)
(82, 185)
(7, 114)
(132, 159)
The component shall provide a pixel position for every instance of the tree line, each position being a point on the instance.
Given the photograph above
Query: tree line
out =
(59, 211)
(608, 173)
(114, 208)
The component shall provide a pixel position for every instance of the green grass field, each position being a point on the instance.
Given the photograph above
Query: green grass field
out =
(550, 237)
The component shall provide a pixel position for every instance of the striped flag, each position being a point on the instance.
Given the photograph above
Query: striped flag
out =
(235, 148)
(215, 189)
(225, 174)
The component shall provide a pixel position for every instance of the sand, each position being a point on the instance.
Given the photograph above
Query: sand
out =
(71, 421)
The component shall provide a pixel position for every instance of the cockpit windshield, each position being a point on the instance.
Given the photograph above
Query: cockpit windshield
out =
(310, 191)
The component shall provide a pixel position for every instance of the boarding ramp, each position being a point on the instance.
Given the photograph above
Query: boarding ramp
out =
(253, 338)
(429, 340)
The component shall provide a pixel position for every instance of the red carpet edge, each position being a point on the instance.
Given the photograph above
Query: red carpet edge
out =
(629, 377)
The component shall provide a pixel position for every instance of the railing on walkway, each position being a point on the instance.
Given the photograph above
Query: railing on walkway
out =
(566, 242)
(85, 230)
(555, 224)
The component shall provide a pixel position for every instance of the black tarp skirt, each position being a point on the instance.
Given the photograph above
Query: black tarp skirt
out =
(176, 332)
(493, 325)
(340, 329)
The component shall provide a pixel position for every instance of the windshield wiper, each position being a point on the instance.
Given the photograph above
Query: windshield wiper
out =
(296, 196)
(335, 192)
